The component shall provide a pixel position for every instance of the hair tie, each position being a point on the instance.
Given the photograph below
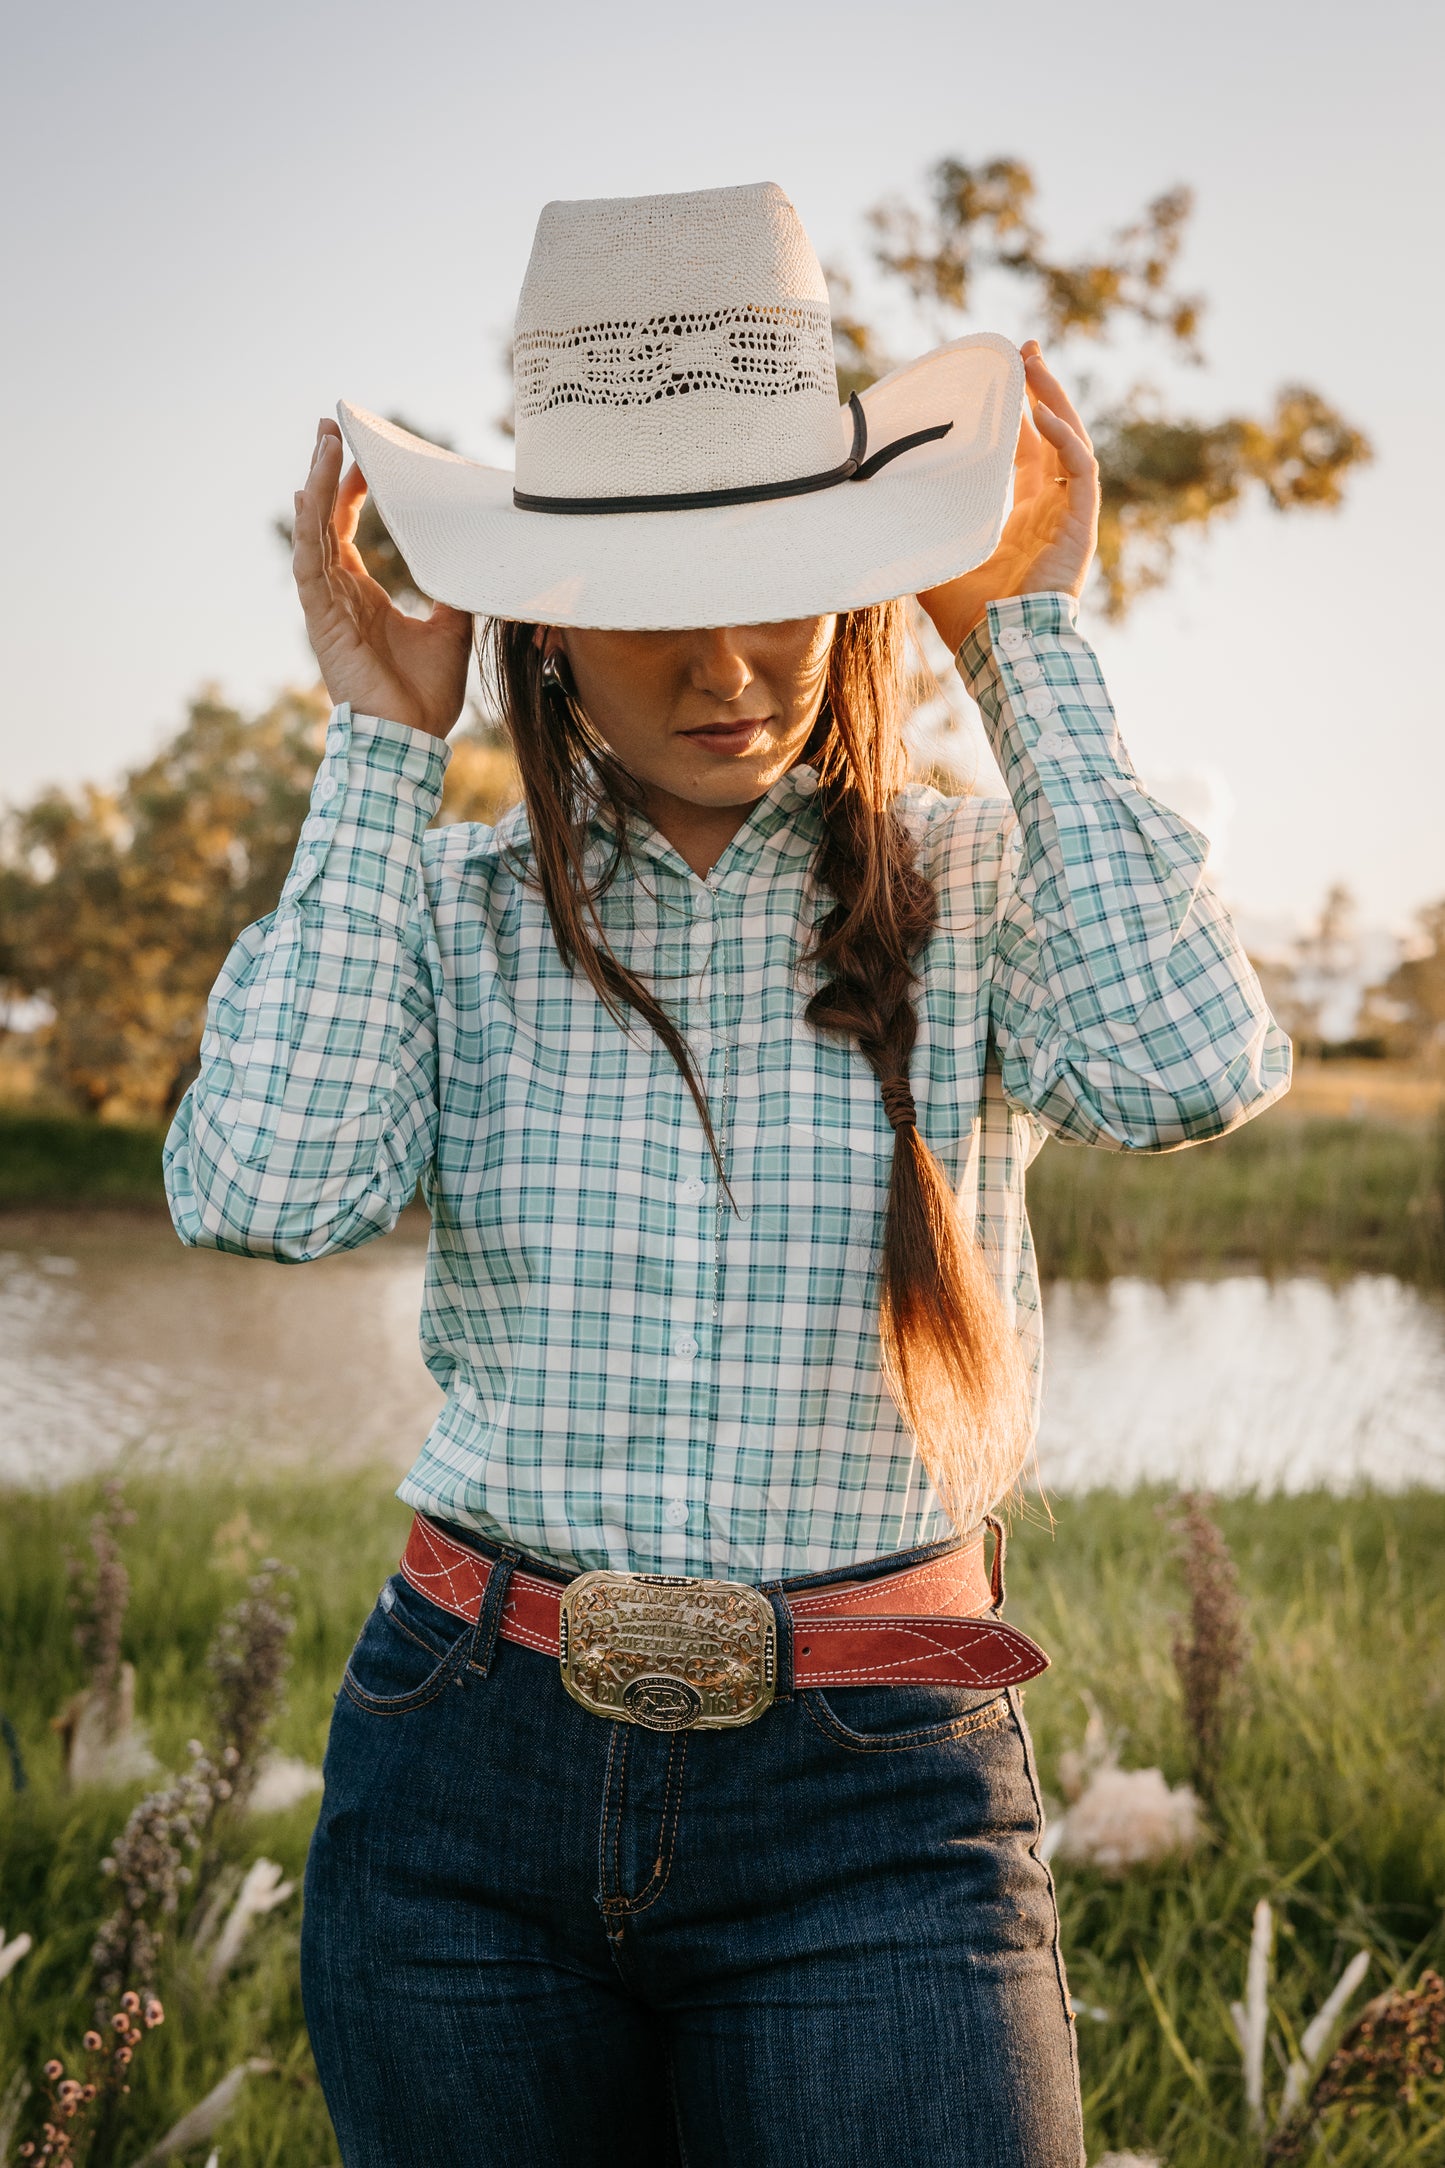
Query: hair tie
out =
(898, 1103)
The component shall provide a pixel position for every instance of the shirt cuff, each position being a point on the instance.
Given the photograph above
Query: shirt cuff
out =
(1003, 633)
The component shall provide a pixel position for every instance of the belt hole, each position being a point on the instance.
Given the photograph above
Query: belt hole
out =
(807, 1648)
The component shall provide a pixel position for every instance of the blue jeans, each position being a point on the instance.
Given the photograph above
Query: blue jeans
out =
(533, 1937)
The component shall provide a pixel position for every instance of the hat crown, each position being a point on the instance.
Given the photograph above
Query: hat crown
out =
(673, 344)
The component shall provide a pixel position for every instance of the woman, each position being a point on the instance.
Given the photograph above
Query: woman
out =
(679, 1802)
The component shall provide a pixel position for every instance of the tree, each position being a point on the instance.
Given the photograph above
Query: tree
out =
(1162, 472)
(1408, 1007)
(1315, 983)
(118, 907)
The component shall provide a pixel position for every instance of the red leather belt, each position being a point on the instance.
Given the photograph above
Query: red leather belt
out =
(926, 1623)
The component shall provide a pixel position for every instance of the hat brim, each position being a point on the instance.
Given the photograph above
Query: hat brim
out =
(929, 515)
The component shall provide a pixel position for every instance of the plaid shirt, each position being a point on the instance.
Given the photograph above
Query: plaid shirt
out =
(636, 1375)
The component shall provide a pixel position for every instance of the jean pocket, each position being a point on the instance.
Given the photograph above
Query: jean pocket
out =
(406, 1653)
(887, 1719)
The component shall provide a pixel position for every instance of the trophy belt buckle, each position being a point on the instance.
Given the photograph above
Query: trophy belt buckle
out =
(669, 1653)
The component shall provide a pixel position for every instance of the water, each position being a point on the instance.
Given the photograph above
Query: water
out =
(116, 1341)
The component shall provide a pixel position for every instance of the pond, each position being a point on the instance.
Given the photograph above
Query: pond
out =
(115, 1341)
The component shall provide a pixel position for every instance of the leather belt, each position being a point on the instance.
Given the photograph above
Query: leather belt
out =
(929, 1624)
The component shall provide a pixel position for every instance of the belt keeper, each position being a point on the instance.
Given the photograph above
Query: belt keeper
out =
(1000, 1548)
(489, 1618)
(783, 1618)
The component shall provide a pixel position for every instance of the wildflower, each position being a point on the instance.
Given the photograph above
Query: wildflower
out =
(99, 1596)
(154, 2013)
(1397, 2043)
(149, 1863)
(248, 1661)
(54, 2070)
(1212, 1657)
(93, 2042)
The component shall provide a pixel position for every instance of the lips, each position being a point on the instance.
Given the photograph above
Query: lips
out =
(728, 737)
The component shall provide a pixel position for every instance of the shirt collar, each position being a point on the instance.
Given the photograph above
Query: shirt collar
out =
(782, 825)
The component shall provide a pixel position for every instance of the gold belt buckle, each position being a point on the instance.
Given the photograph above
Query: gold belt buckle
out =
(669, 1653)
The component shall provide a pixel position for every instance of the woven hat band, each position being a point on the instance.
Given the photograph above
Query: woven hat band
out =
(857, 467)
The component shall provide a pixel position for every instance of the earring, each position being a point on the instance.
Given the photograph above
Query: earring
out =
(554, 674)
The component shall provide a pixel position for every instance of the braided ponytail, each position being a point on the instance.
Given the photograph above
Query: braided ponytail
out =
(950, 1354)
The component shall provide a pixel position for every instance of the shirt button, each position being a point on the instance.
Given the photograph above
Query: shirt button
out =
(1040, 703)
(674, 1513)
(1051, 745)
(329, 788)
(804, 781)
(685, 1346)
(307, 867)
(1012, 641)
(1027, 671)
(692, 1189)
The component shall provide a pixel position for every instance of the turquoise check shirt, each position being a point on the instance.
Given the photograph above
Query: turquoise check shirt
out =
(636, 1374)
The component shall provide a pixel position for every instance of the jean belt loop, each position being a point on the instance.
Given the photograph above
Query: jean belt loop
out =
(773, 1590)
(1000, 1549)
(489, 1618)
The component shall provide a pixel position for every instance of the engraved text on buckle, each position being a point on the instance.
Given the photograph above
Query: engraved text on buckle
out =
(667, 1653)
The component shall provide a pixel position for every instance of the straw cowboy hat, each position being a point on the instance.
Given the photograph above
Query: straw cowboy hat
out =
(682, 456)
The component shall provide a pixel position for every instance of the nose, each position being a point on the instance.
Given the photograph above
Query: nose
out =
(717, 665)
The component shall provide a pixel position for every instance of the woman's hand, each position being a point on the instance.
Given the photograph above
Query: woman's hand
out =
(410, 670)
(1048, 541)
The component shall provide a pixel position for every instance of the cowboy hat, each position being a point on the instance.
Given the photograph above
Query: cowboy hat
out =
(682, 456)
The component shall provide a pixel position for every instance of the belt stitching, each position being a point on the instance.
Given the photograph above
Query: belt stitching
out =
(544, 1646)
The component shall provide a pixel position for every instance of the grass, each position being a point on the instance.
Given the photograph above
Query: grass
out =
(1330, 1806)
(60, 1159)
(1287, 1195)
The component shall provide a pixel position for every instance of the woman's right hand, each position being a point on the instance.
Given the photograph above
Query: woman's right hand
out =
(410, 670)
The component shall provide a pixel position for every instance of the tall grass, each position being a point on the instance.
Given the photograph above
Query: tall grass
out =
(1331, 1795)
(59, 1159)
(1319, 1195)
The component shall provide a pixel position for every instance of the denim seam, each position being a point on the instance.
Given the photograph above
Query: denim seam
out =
(653, 1888)
(612, 1822)
(1059, 1973)
(988, 1718)
(420, 1697)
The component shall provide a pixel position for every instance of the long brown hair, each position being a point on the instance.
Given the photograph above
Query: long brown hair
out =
(950, 1354)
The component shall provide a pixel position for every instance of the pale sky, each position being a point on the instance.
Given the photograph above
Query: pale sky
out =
(219, 221)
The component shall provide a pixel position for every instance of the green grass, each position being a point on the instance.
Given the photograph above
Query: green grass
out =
(59, 1159)
(1286, 1194)
(1332, 1805)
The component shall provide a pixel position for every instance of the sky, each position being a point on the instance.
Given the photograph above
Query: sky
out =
(218, 221)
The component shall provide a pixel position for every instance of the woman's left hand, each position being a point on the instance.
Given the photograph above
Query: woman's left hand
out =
(1048, 540)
